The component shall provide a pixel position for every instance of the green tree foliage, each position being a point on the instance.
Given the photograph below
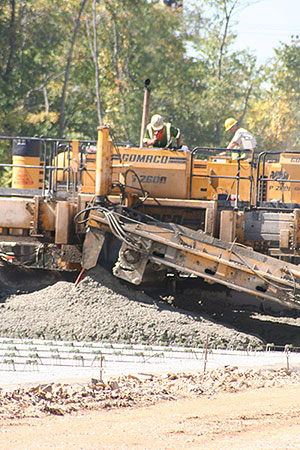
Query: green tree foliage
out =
(56, 56)
(32, 35)
(277, 110)
(139, 41)
(225, 80)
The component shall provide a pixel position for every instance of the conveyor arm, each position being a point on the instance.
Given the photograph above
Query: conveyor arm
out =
(191, 252)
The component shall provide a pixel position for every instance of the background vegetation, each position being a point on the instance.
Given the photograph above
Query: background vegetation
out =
(68, 66)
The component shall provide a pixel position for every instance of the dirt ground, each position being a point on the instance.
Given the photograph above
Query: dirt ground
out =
(267, 418)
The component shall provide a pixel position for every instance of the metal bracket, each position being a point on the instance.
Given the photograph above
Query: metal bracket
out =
(92, 246)
(131, 265)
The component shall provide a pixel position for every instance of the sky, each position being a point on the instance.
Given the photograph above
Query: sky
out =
(265, 23)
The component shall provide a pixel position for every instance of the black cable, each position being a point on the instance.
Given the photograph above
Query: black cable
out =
(138, 179)
(86, 210)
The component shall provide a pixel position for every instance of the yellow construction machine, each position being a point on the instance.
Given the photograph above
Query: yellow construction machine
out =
(154, 213)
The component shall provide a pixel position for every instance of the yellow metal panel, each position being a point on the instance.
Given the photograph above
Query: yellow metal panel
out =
(15, 213)
(290, 169)
(180, 203)
(199, 179)
(161, 173)
(26, 177)
(75, 155)
(218, 176)
(274, 190)
(103, 162)
(228, 226)
(222, 179)
(47, 215)
(23, 213)
(89, 174)
(62, 223)
(286, 169)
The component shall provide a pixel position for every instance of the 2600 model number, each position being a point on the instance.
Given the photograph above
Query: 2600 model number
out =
(149, 179)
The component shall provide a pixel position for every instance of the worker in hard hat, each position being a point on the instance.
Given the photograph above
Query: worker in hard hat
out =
(161, 134)
(241, 138)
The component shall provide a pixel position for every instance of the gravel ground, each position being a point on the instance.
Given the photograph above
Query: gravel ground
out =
(102, 308)
(127, 391)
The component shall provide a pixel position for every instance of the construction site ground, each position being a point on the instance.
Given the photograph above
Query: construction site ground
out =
(39, 304)
(268, 418)
(228, 407)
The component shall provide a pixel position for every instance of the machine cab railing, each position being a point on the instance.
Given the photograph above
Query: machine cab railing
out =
(44, 167)
(219, 171)
(278, 179)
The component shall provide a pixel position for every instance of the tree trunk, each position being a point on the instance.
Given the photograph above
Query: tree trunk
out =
(118, 74)
(67, 72)
(12, 38)
(95, 54)
(228, 14)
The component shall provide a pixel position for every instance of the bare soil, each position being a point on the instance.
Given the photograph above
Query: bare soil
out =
(267, 418)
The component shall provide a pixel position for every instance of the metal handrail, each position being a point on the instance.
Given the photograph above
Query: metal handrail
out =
(260, 179)
(219, 149)
(50, 149)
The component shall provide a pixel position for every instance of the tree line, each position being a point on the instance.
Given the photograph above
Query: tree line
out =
(68, 67)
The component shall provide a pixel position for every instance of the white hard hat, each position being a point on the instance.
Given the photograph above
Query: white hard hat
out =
(157, 122)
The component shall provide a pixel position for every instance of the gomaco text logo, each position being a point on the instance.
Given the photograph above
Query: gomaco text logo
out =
(155, 159)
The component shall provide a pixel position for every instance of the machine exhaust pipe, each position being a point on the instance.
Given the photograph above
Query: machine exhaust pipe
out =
(146, 107)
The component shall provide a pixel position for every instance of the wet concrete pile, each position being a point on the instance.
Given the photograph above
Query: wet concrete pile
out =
(102, 308)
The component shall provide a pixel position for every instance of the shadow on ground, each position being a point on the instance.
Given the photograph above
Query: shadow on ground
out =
(245, 313)
(19, 279)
